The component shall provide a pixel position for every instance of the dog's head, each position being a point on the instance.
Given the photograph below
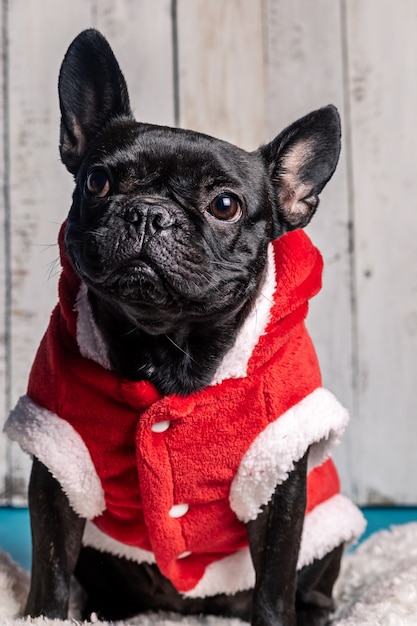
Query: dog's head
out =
(169, 223)
(170, 227)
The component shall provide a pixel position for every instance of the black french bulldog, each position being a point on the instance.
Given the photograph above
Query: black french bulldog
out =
(169, 232)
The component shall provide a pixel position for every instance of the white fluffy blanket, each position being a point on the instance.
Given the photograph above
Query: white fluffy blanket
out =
(377, 587)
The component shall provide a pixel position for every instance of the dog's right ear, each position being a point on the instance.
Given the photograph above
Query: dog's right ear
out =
(92, 91)
(300, 161)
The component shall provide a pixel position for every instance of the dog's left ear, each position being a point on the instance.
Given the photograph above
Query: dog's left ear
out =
(300, 161)
(92, 91)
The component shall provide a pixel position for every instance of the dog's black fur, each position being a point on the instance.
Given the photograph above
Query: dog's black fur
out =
(169, 230)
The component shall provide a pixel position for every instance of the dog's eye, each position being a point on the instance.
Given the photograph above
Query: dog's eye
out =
(98, 184)
(225, 207)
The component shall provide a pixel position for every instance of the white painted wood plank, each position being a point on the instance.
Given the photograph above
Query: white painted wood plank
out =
(40, 188)
(382, 47)
(221, 69)
(3, 266)
(140, 34)
(305, 72)
(222, 91)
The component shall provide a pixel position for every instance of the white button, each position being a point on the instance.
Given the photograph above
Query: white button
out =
(178, 510)
(184, 555)
(160, 427)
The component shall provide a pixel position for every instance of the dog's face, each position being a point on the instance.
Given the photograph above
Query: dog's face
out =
(169, 228)
(169, 224)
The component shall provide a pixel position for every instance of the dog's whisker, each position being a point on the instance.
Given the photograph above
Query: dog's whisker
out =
(45, 246)
(130, 332)
(267, 298)
(179, 348)
(51, 277)
(51, 267)
(228, 265)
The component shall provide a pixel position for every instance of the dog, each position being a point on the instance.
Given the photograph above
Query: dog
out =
(175, 412)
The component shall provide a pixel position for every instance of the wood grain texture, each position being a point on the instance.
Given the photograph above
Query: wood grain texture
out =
(40, 188)
(242, 70)
(382, 52)
(222, 69)
(305, 72)
(4, 258)
(141, 37)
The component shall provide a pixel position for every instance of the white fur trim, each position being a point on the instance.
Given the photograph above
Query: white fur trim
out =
(229, 575)
(89, 338)
(334, 522)
(57, 445)
(235, 362)
(318, 422)
(331, 523)
(94, 538)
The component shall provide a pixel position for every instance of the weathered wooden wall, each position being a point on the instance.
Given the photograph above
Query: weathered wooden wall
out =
(241, 70)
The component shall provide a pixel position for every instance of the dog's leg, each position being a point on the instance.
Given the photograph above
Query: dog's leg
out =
(56, 539)
(274, 540)
(315, 587)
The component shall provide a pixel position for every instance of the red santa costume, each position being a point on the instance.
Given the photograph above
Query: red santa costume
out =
(173, 479)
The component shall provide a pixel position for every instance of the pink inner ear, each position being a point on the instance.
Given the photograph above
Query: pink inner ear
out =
(293, 194)
(295, 201)
(79, 135)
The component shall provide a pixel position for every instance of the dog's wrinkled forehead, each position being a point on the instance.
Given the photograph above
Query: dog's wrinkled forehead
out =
(154, 159)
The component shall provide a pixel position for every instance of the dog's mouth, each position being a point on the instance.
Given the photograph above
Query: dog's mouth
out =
(136, 278)
(158, 293)
(159, 277)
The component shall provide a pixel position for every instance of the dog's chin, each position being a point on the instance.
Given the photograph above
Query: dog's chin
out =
(152, 303)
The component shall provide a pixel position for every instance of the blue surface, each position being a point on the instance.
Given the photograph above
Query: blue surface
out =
(379, 517)
(15, 536)
(15, 527)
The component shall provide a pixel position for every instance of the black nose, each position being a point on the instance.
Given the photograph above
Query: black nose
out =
(149, 218)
